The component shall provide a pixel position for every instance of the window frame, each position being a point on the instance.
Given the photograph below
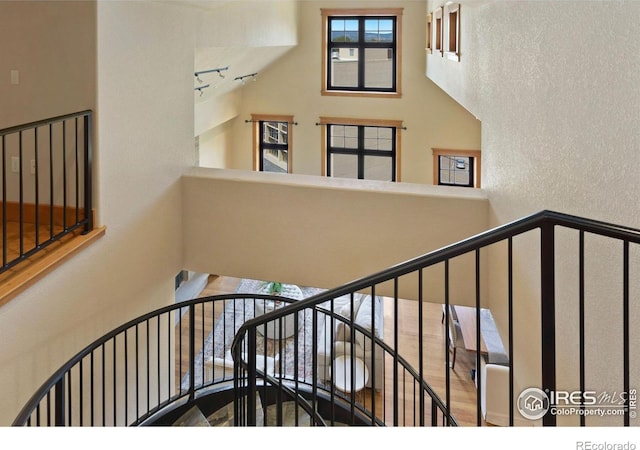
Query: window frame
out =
(477, 165)
(429, 33)
(326, 122)
(452, 35)
(364, 13)
(258, 148)
(438, 31)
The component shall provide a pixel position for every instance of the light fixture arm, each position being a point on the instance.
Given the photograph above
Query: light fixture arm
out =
(242, 77)
(219, 70)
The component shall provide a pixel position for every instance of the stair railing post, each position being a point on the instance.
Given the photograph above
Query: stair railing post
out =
(192, 351)
(88, 156)
(251, 377)
(547, 313)
(59, 403)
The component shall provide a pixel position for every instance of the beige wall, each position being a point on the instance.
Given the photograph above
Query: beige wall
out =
(292, 86)
(316, 232)
(555, 85)
(144, 130)
(52, 46)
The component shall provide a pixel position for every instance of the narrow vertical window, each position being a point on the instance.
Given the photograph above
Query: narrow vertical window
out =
(272, 143)
(429, 33)
(437, 31)
(452, 12)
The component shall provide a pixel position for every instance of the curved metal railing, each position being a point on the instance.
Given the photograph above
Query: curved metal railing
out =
(293, 364)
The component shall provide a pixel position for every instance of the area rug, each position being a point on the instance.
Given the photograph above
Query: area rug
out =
(236, 312)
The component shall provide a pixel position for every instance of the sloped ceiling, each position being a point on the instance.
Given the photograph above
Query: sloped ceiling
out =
(245, 36)
(240, 61)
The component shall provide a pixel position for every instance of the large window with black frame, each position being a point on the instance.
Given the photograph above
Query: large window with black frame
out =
(361, 53)
(361, 152)
(274, 146)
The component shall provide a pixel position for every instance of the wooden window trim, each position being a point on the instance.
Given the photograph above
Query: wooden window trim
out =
(397, 124)
(256, 119)
(475, 154)
(428, 34)
(438, 31)
(326, 13)
(452, 25)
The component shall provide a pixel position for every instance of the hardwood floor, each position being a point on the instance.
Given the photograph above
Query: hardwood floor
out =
(462, 392)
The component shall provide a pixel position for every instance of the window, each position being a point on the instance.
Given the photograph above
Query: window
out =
(456, 167)
(429, 33)
(453, 31)
(272, 142)
(361, 52)
(361, 149)
(437, 31)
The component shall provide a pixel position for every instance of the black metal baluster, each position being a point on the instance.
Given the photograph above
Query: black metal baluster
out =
(395, 351)
(37, 187)
(126, 379)
(4, 202)
(158, 357)
(447, 382)
(92, 384)
(115, 377)
(137, 356)
(69, 401)
(547, 313)
(81, 392)
(64, 175)
(104, 393)
(192, 350)
(88, 161)
(625, 330)
(77, 170)
(21, 189)
(51, 184)
(478, 346)
(510, 312)
(421, 343)
(582, 324)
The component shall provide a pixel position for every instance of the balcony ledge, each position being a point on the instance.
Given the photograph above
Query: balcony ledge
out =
(26, 273)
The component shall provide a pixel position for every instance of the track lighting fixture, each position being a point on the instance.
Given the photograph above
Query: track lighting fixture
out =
(242, 78)
(219, 70)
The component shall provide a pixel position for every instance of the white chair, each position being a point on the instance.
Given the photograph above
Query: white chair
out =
(363, 347)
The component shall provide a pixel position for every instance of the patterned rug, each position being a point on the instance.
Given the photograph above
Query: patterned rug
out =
(237, 312)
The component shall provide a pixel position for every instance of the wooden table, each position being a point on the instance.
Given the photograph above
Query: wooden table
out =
(467, 320)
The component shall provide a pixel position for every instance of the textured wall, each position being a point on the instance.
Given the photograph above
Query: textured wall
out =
(144, 134)
(555, 84)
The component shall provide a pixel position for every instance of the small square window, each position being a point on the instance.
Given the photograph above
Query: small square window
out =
(456, 167)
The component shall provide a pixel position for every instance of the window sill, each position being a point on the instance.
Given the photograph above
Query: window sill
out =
(19, 278)
(337, 93)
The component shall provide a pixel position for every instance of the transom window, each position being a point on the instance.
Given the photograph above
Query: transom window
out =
(361, 151)
(272, 139)
(361, 52)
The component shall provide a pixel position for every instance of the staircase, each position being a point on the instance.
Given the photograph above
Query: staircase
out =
(127, 377)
